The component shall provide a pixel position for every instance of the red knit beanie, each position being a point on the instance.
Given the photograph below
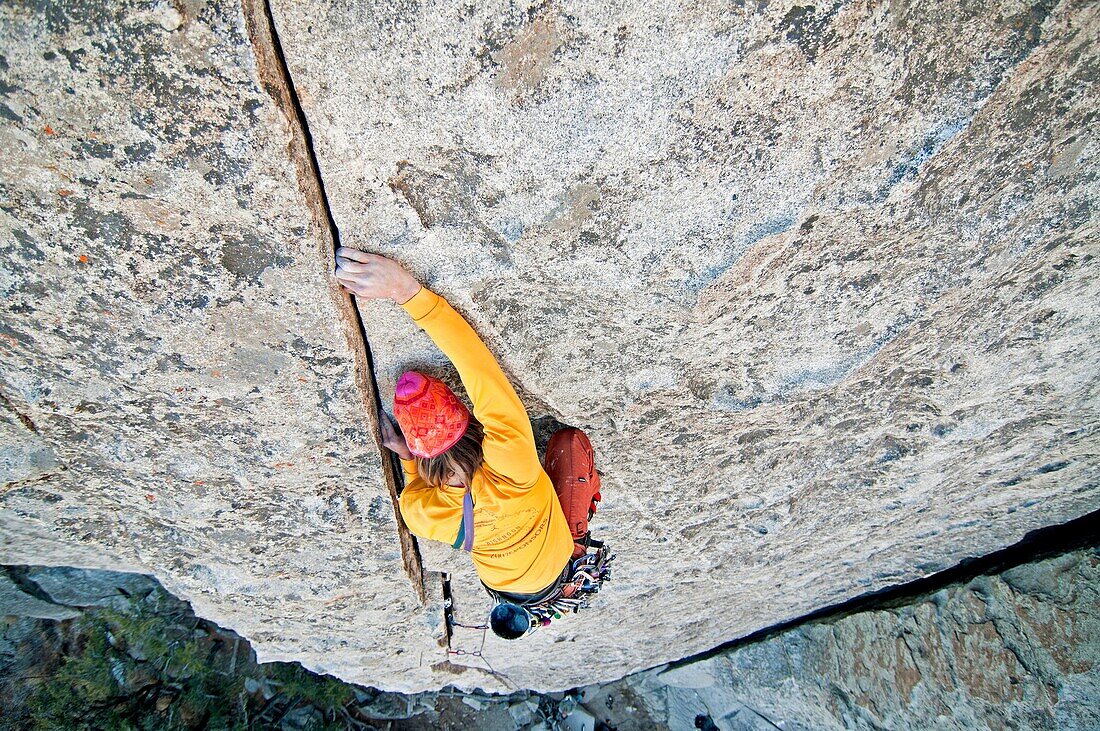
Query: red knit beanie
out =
(429, 413)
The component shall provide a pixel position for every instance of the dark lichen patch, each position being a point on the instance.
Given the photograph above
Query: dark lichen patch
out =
(139, 152)
(246, 255)
(94, 148)
(27, 246)
(809, 29)
(380, 511)
(891, 449)
(74, 57)
(151, 123)
(1029, 25)
(434, 197)
(452, 197)
(109, 227)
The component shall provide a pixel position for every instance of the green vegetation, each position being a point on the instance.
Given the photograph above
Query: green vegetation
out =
(156, 666)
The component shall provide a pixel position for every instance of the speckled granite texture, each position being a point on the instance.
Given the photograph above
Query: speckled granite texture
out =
(818, 280)
(179, 394)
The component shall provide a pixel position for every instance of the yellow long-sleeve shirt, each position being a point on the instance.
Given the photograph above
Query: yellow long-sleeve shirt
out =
(521, 538)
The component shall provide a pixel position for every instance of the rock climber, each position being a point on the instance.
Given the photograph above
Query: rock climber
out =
(474, 481)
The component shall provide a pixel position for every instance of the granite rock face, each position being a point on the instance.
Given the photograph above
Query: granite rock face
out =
(15, 602)
(84, 588)
(1019, 649)
(179, 393)
(818, 279)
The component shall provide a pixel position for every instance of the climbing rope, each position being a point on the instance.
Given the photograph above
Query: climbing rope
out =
(479, 653)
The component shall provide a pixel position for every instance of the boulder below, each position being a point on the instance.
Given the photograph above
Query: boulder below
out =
(1011, 650)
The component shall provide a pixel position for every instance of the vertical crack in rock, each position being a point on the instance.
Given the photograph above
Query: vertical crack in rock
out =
(448, 610)
(275, 77)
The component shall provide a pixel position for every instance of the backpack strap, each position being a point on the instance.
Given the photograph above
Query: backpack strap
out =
(465, 539)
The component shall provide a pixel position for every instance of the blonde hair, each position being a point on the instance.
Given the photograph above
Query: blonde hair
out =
(463, 458)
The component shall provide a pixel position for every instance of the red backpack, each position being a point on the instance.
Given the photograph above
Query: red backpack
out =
(571, 465)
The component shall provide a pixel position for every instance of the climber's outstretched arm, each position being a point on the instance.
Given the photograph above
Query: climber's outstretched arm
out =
(509, 444)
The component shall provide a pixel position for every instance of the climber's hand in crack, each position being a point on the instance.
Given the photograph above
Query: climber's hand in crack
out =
(374, 277)
(392, 438)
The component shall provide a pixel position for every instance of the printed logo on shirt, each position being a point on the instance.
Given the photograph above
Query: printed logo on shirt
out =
(499, 529)
(534, 534)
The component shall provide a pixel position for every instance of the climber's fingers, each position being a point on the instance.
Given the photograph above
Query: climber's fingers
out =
(388, 429)
(364, 285)
(356, 265)
(354, 254)
(348, 265)
(363, 265)
(373, 276)
(392, 439)
(348, 278)
(365, 292)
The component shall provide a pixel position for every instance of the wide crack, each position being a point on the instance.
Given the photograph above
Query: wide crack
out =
(275, 77)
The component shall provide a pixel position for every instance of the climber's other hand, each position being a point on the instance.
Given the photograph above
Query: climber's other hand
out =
(374, 277)
(391, 437)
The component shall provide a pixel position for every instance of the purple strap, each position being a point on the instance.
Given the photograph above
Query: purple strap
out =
(468, 521)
